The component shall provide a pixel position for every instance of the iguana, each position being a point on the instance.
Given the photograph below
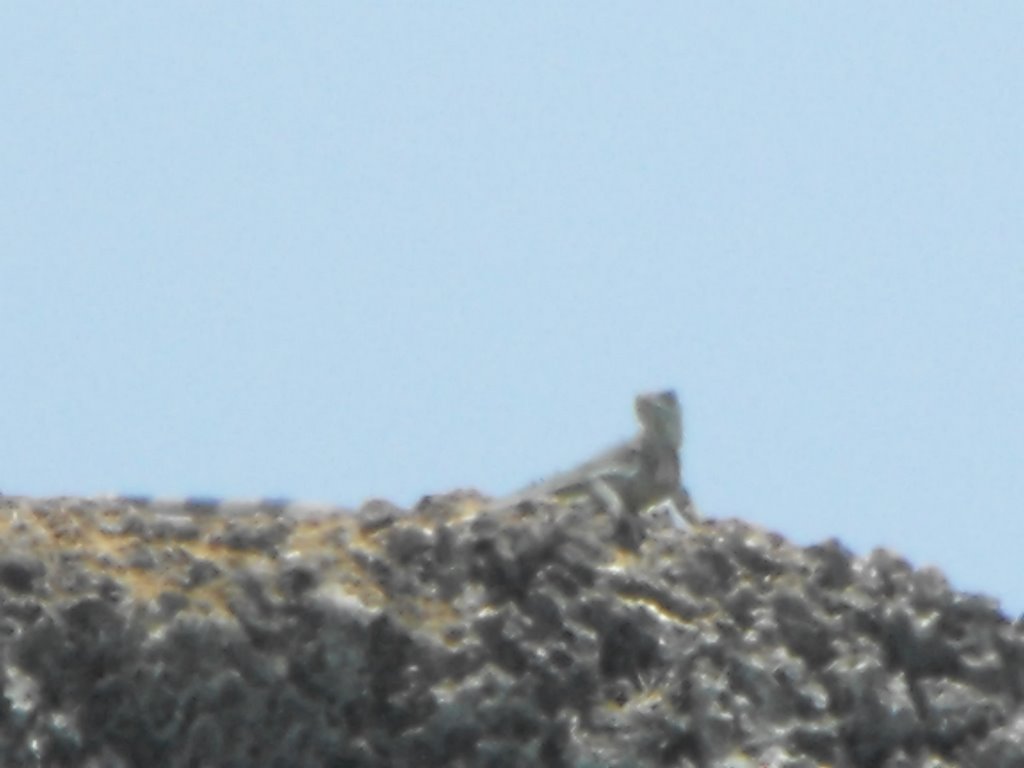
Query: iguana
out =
(633, 477)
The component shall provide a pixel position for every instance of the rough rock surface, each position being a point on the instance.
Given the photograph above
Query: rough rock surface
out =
(449, 635)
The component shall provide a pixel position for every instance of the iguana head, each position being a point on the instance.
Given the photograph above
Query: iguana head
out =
(660, 417)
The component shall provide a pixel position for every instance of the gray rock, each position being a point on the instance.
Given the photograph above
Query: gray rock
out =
(455, 634)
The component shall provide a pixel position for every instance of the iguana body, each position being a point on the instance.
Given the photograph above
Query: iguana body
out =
(628, 480)
(632, 477)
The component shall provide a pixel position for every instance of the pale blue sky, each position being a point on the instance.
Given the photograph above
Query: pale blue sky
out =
(337, 250)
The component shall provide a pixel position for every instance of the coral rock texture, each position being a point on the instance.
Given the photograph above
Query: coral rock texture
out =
(454, 634)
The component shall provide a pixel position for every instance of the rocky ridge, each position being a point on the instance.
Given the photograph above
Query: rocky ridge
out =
(452, 634)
